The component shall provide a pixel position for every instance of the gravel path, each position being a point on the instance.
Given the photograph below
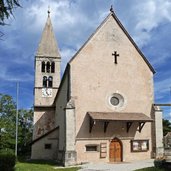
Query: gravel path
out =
(118, 166)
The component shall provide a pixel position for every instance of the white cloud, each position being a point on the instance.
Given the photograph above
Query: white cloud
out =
(66, 54)
(148, 15)
(61, 14)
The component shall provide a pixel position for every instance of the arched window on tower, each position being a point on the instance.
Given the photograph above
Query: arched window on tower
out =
(43, 66)
(50, 81)
(52, 67)
(44, 81)
(48, 67)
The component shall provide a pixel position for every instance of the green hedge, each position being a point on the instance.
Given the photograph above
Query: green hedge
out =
(7, 161)
(159, 163)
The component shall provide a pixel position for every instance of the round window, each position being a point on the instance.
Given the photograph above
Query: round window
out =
(116, 100)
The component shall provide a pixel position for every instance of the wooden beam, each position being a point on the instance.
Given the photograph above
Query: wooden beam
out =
(162, 104)
(105, 126)
(91, 125)
(141, 125)
(128, 126)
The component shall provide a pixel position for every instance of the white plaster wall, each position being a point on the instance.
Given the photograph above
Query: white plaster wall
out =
(94, 77)
(100, 77)
(38, 150)
(159, 133)
(70, 130)
(84, 156)
(61, 102)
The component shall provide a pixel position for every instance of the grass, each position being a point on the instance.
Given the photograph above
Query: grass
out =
(41, 166)
(152, 169)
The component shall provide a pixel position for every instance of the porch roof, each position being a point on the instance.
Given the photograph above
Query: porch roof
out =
(118, 116)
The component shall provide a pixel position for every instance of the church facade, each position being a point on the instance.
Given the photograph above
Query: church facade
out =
(102, 109)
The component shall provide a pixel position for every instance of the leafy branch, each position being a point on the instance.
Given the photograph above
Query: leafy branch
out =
(6, 9)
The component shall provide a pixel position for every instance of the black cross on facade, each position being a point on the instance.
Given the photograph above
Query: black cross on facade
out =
(115, 55)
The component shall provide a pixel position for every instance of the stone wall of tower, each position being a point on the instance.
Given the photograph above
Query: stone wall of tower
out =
(43, 121)
(43, 113)
(45, 91)
(39, 100)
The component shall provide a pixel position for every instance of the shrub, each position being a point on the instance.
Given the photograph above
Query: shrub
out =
(6, 151)
(7, 161)
(159, 162)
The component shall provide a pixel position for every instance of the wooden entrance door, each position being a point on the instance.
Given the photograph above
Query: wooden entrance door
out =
(115, 153)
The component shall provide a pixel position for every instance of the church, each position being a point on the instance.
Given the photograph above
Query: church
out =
(102, 109)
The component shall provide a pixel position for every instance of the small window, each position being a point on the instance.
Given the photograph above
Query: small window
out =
(43, 66)
(48, 67)
(52, 67)
(50, 80)
(91, 148)
(139, 145)
(48, 146)
(114, 101)
(44, 81)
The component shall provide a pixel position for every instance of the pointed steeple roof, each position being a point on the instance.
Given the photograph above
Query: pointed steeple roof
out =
(48, 46)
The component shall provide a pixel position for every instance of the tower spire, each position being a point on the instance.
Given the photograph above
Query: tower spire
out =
(48, 46)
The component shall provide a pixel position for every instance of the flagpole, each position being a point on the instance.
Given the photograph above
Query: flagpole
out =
(170, 102)
(16, 132)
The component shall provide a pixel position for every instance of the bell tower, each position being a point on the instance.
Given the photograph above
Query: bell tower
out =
(47, 80)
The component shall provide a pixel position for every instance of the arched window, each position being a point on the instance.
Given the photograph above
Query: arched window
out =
(52, 67)
(43, 66)
(50, 80)
(44, 81)
(48, 67)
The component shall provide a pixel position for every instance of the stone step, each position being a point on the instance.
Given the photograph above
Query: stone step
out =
(168, 157)
(168, 160)
(167, 153)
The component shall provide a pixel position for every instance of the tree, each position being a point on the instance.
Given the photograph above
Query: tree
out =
(8, 124)
(166, 126)
(6, 9)
(25, 130)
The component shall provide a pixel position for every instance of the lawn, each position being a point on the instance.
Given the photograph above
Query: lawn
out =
(21, 166)
(152, 169)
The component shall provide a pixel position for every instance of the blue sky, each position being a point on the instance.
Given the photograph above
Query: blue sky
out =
(147, 21)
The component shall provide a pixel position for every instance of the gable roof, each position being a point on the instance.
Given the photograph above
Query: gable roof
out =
(44, 135)
(48, 46)
(126, 33)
